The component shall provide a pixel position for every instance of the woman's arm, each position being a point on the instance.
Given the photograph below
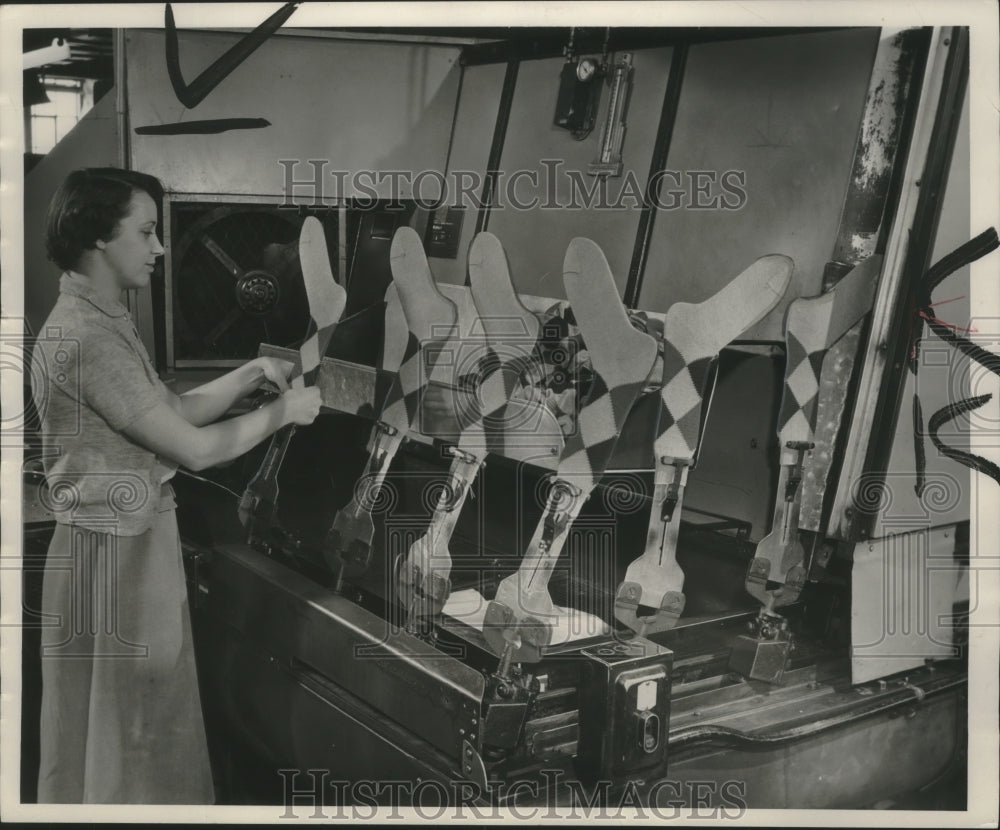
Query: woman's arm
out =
(210, 401)
(165, 432)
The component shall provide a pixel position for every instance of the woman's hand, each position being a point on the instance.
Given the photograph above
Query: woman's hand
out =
(210, 401)
(301, 405)
(275, 370)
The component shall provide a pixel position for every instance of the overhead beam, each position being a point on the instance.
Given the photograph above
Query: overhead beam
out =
(550, 43)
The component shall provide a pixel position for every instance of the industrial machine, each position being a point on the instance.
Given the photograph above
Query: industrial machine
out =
(317, 658)
(381, 620)
(498, 571)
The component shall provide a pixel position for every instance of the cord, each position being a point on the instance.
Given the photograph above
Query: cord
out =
(233, 493)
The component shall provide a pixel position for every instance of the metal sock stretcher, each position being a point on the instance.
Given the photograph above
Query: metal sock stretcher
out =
(519, 621)
(693, 336)
(430, 323)
(811, 328)
(511, 333)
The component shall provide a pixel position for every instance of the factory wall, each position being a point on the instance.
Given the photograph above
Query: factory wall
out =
(93, 142)
(358, 105)
(785, 112)
(356, 108)
(535, 239)
(474, 120)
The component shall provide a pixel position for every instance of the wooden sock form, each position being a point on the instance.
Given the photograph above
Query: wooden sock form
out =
(520, 619)
(811, 328)
(693, 334)
(327, 299)
(431, 321)
(511, 332)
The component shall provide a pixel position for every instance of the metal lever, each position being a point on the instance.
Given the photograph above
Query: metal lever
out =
(792, 488)
(674, 488)
(654, 579)
(460, 480)
(349, 540)
(556, 520)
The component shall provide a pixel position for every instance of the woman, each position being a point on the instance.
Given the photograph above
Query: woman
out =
(121, 718)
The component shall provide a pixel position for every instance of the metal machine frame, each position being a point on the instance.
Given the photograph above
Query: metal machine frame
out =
(336, 687)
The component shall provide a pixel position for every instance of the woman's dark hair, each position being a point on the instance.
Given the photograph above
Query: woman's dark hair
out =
(88, 206)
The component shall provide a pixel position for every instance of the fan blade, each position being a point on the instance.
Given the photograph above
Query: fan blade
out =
(221, 255)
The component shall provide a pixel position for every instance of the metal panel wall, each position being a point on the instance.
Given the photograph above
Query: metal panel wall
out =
(785, 111)
(361, 106)
(536, 239)
(903, 593)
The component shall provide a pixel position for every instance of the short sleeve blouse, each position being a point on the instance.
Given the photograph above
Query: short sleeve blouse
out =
(91, 379)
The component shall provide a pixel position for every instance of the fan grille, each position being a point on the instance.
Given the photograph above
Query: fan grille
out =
(236, 280)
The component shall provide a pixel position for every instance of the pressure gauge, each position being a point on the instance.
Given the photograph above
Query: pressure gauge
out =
(586, 69)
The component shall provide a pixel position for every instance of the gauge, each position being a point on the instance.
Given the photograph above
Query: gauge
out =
(586, 69)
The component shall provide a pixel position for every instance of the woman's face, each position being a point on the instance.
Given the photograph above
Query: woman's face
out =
(132, 251)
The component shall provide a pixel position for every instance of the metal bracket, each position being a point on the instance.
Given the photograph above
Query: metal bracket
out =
(763, 654)
(473, 767)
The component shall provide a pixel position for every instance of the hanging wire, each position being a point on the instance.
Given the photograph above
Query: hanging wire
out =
(189, 474)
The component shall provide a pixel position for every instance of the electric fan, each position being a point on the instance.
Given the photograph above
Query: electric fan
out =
(236, 280)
